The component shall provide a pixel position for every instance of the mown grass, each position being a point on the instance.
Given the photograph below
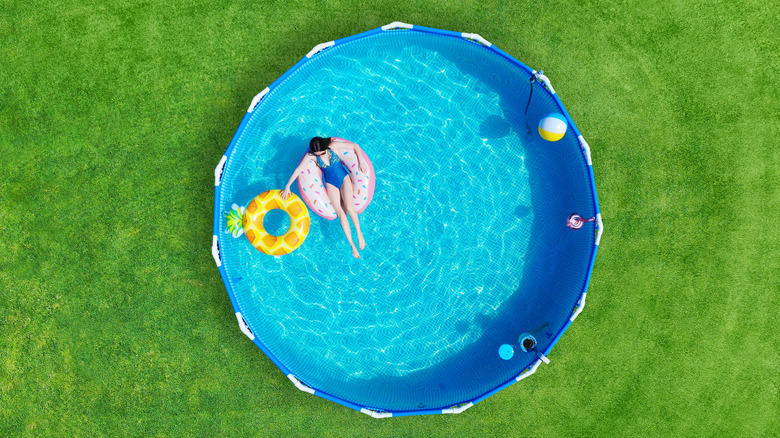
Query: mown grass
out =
(113, 318)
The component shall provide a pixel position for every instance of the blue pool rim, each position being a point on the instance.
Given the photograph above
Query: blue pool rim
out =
(461, 406)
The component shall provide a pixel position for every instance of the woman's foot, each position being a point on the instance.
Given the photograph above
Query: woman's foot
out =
(361, 241)
(355, 252)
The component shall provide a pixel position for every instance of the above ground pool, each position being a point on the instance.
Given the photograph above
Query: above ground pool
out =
(468, 249)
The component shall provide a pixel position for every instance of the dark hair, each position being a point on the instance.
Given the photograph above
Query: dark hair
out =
(319, 144)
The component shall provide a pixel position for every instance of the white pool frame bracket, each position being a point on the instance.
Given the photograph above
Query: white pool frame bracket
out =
(457, 409)
(300, 385)
(601, 228)
(319, 47)
(215, 250)
(476, 37)
(540, 75)
(218, 171)
(528, 371)
(257, 99)
(397, 25)
(586, 148)
(580, 306)
(376, 414)
(244, 327)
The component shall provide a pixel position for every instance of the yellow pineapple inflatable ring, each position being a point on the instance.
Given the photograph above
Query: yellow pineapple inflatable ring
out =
(262, 239)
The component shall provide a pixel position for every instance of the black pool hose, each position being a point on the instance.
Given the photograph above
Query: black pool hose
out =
(528, 128)
(533, 78)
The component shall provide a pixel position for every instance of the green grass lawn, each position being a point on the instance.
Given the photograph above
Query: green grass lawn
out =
(114, 320)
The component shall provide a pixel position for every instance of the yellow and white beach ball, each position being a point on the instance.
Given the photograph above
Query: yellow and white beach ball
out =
(552, 127)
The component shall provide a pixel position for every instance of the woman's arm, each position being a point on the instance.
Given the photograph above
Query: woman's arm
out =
(355, 147)
(286, 192)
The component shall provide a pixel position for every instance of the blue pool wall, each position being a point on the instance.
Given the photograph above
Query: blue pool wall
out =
(217, 232)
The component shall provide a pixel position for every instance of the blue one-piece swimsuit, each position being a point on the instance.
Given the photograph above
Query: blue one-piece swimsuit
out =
(334, 172)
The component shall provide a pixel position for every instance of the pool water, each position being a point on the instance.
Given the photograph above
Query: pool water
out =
(458, 209)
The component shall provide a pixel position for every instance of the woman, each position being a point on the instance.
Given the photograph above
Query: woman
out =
(324, 152)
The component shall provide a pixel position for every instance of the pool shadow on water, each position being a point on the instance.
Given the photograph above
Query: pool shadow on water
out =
(288, 151)
(513, 87)
(540, 306)
(478, 364)
(274, 171)
(494, 127)
(522, 211)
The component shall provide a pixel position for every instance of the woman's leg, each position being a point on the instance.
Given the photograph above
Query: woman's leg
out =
(349, 204)
(335, 200)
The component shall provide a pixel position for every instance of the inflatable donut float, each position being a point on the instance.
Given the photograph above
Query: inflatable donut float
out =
(251, 222)
(312, 187)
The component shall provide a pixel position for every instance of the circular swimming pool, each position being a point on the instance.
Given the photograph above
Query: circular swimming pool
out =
(467, 244)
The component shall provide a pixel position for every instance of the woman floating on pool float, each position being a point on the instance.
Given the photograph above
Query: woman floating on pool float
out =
(334, 160)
